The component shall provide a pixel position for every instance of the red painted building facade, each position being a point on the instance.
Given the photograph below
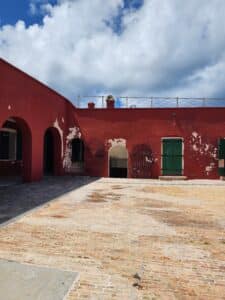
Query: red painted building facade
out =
(43, 133)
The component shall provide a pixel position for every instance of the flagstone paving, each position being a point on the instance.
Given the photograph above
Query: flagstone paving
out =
(127, 239)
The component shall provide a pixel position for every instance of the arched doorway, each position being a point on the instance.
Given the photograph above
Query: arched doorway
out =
(15, 150)
(52, 152)
(118, 161)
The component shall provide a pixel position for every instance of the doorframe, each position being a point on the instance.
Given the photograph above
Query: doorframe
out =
(172, 138)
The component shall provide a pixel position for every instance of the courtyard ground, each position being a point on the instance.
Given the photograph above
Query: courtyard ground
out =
(127, 239)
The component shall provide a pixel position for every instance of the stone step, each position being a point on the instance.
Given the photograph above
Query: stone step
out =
(172, 177)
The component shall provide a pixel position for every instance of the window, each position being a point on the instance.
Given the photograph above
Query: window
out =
(77, 150)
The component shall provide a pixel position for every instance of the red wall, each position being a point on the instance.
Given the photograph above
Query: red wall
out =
(199, 127)
(36, 108)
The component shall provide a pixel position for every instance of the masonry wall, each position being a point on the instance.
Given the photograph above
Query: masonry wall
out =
(143, 129)
(36, 108)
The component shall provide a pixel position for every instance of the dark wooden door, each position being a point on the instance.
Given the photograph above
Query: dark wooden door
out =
(172, 157)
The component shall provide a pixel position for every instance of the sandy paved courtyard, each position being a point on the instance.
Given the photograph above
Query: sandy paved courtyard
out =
(128, 239)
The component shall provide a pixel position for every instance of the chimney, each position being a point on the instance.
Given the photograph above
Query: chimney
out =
(110, 102)
(91, 105)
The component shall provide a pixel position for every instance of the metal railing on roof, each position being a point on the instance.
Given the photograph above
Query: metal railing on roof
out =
(150, 102)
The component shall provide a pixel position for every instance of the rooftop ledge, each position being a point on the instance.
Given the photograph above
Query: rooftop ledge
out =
(112, 102)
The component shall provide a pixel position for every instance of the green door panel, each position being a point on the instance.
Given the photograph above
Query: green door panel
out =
(221, 154)
(172, 157)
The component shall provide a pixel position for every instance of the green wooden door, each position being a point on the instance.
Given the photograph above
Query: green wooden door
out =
(172, 157)
(221, 157)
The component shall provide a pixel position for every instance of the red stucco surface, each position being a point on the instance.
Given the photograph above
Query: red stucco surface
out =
(36, 108)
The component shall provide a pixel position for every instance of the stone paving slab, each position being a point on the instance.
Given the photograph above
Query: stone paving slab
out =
(18, 199)
(26, 282)
(128, 239)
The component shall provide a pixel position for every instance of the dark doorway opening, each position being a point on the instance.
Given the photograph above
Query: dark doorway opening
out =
(15, 151)
(77, 156)
(118, 172)
(48, 153)
(52, 156)
(118, 157)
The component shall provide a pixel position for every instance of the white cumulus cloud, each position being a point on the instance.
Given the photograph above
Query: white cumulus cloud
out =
(171, 48)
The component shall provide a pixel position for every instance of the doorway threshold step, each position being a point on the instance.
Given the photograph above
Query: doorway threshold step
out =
(172, 177)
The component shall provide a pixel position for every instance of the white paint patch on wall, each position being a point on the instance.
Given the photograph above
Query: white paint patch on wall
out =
(210, 168)
(56, 125)
(150, 160)
(117, 142)
(204, 149)
(195, 134)
(74, 132)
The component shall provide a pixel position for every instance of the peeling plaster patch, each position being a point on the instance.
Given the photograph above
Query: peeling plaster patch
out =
(195, 134)
(206, 147)
(210, 168)
(74, 132)
(149, 160)
(67, 162)
(117, 142)
(63, 121)
(207, 150)
(195, 148)
(56, 125)
(9, 107)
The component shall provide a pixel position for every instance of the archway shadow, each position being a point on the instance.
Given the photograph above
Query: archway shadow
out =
(19, 199)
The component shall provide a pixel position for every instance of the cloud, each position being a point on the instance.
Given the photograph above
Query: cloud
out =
(170, 48)
(39, 7)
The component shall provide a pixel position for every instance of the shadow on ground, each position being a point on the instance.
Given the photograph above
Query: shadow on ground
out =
(19, 199)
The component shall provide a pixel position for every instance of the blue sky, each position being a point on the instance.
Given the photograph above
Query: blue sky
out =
(119, 47)
(11, 11)
(116, 22)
